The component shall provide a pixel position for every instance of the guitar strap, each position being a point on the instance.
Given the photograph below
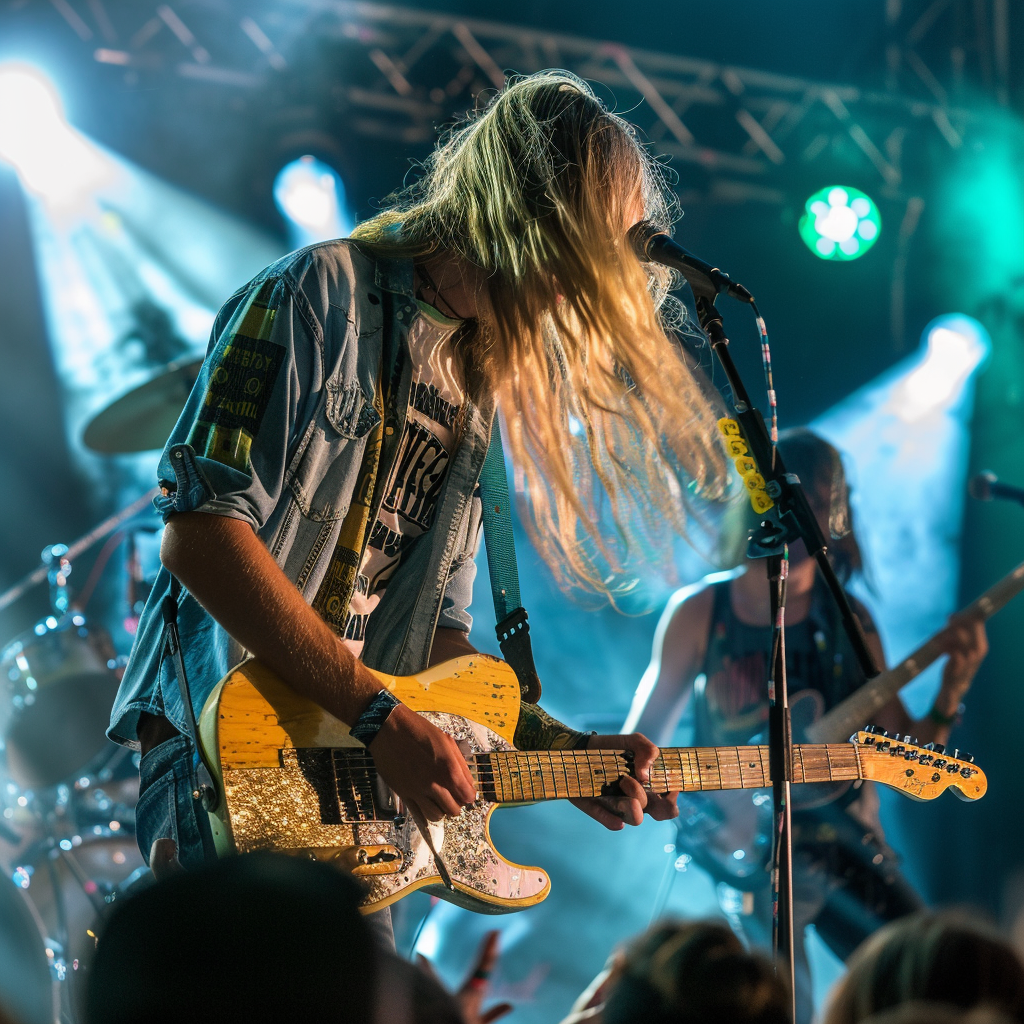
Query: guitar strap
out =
(204, 793)
(513, 627)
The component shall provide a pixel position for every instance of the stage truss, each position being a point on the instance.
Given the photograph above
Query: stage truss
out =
(735, 133)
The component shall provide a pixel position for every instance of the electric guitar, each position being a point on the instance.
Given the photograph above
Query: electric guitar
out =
(290, 777)
(729, 834)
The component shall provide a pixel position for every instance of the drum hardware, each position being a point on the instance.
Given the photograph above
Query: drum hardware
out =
(57, 682)
(98, 533)
(55, 556)
(69, 884)
(67, 795)
(28, 986)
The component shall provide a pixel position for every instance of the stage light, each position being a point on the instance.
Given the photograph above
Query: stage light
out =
(52, 160)
(954, 347)
(840, 223)
(906, 439)
(311, 197)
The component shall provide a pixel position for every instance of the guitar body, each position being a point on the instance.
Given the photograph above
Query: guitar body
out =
(729, 834)
(291, 778)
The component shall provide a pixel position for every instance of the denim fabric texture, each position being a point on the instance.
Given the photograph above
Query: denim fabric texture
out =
(329, 321)
(166, 809)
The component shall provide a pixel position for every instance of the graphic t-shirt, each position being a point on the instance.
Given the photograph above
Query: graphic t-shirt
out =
(432, 429)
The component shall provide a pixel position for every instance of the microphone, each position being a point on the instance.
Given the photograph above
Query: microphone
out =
(652, 245)
(986, 486)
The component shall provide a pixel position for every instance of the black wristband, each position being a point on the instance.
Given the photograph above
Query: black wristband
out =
(582, 740)
(373, 717)
(940, 719)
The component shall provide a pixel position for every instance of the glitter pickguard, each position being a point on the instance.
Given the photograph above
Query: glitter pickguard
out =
(272, 799)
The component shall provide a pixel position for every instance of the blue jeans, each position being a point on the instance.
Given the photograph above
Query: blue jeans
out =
(166, 809)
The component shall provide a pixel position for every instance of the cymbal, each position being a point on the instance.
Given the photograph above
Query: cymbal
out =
(143, 418)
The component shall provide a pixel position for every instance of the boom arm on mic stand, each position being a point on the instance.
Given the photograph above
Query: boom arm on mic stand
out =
(986, 486)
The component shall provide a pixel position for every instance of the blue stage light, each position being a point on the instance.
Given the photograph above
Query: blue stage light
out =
(311, 197)
(954, 347)
(53, 160)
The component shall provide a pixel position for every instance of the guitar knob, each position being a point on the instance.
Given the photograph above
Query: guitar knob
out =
(882, 732)
(871, 728)
(969, 758)
(912, 740)
(929, 746)
(939, 748)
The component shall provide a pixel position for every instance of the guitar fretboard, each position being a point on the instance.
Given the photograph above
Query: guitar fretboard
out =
(518, 776)
(345, 779)
(857, 710)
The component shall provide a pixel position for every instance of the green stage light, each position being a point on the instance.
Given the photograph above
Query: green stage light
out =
(840, 223)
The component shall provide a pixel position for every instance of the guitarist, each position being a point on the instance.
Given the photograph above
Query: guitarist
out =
(712, 646)
(320, 488)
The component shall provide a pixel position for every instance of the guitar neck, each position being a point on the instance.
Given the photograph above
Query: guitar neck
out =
(515, 776)
(856, 710)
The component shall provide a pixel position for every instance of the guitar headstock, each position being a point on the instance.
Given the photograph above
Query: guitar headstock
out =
(920, 772)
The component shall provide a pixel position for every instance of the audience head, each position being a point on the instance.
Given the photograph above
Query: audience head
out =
(693, 973)
(261, 937)
(944, 958)
(937, 1013)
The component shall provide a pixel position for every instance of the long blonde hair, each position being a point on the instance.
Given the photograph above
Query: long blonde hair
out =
(615, 438)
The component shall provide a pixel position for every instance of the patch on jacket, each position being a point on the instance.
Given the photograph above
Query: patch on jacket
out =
(242, 377)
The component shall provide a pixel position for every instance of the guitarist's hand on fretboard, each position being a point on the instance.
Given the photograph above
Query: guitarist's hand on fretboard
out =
(966, 643)
(628, 808)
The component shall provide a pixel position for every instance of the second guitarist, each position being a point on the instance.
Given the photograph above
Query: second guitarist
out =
(712, 647)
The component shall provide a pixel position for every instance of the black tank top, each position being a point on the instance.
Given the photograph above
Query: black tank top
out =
(731, 691)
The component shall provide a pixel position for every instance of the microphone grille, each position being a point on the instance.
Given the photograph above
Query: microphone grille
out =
(980, 486)
(640, 236)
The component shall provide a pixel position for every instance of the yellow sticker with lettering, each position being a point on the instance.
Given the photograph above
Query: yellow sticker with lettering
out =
(753, 481)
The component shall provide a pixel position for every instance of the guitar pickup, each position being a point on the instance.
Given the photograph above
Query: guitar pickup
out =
(371, 860)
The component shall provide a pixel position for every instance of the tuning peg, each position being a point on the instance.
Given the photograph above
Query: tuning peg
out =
(939, 748)
(969, 758)
(882, 732)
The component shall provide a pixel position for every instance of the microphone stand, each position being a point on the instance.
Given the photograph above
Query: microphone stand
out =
(780, 763)
(796, 520)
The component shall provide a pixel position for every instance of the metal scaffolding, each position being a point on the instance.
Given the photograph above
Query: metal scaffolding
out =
(737, 133)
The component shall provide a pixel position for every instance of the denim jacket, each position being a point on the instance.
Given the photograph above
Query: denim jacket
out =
(331, 308)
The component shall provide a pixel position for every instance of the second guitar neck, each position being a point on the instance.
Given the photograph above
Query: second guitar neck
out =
(860, 707)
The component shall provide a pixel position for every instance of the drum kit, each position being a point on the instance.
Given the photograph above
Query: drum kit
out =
(67, 794)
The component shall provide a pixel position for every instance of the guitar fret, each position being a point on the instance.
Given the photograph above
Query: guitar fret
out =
(526, 776)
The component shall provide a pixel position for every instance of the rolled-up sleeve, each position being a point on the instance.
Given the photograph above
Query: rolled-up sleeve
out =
(256, 393)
